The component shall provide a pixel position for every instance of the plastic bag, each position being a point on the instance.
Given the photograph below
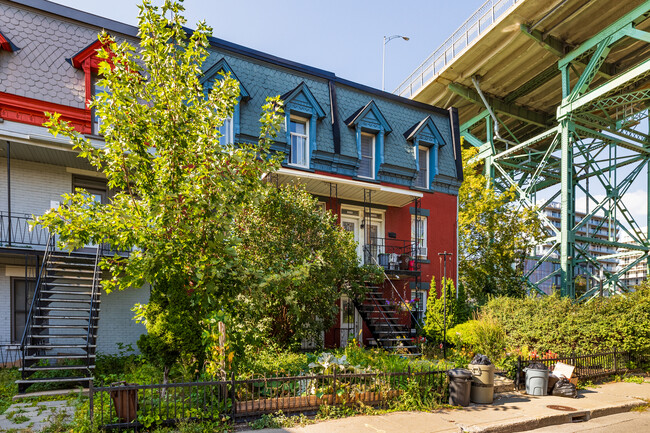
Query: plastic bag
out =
(564, 388)
(481, 360)
(534, 365)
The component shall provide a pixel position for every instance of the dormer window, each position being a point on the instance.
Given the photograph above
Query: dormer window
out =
(302, 113)
(88, 61)
(230, 128)
(371, 127)
(96, 90)
(227, 132)
(367, 164)
(422, 181)
(299, 142)
(427, 141)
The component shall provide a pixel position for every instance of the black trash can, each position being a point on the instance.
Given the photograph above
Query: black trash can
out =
(460, 386)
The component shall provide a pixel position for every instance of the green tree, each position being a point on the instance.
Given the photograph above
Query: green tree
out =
(457, 309)
(494, 235)
(179, 191)
(302, 260)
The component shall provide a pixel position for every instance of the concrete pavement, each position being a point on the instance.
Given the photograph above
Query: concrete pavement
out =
(33, 417)
(511, 412)
(620, 423)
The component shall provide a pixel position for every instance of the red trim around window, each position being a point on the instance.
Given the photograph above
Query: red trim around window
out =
(4, 44)
(32, 111)
(88, 61)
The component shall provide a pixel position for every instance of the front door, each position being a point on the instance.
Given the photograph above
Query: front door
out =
(351, 324)
(351, 224)
(22, 292)
(97, 190)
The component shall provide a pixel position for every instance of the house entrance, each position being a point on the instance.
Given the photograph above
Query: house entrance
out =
(97, 190)
(369, 240)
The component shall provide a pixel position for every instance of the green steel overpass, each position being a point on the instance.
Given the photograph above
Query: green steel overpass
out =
(555, 96)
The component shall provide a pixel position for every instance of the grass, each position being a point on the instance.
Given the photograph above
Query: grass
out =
(7, 386)
(17, 417)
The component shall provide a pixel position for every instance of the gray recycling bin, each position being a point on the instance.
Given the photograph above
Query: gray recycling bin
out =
(460, 386)
(536, 381)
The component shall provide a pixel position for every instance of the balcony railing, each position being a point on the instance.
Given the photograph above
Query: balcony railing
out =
(15, 231)
(392, 254)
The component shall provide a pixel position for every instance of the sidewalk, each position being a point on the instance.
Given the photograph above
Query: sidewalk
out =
(511, 412)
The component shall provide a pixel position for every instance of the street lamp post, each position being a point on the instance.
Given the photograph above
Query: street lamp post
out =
(387, 39)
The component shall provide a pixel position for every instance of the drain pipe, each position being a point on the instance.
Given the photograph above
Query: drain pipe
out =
(494, 117)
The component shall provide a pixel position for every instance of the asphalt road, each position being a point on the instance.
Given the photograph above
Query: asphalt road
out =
(635, 422)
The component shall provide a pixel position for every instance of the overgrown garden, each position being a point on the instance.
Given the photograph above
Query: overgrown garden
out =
(241, 272)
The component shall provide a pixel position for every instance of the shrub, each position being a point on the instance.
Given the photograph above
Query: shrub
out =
(457, 310)
(484, 334)
(272, 360)
(564, 326)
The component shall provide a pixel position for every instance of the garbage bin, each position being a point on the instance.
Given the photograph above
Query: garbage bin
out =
(459, 386)
(384, 261)
(482, 383)
(125, 401)
(536, 381)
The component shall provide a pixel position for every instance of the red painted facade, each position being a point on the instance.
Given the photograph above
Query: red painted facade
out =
(441, 237)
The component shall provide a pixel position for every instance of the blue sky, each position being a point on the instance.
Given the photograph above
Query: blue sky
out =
(344, 37)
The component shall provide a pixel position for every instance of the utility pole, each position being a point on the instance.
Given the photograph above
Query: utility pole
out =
(443, 258)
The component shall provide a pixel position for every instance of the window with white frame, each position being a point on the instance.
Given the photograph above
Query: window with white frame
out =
(367, 165)
(299, 135)
(227, 132)
(96, 90)
(422, 180)
(419, 304)
(419, 235)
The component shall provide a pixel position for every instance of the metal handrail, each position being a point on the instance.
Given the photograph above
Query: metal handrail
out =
(455, 44)
(36, 297)
(396, 291)
(390, 325)
(91, 313)
(16, 230)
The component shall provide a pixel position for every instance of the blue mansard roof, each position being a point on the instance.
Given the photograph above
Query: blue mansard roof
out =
(338, 106)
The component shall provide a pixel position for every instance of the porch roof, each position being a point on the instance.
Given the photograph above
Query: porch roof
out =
(347, 189)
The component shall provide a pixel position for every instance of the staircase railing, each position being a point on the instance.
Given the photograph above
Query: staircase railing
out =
(36, 299)
(413, 318)
(93, 295)
(358, 305)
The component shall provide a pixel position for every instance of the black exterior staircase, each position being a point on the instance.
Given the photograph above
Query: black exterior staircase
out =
(383, 319)
(60, 337)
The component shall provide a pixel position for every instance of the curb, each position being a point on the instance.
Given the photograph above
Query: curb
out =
(554, 419)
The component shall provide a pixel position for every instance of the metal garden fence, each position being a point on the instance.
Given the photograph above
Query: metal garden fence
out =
(590, 366)
(10, 355)
(128, 406)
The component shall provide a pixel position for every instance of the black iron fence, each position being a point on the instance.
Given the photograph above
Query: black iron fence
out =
(129, 406)
(16, 231)
(589, 366)
(10, 355)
